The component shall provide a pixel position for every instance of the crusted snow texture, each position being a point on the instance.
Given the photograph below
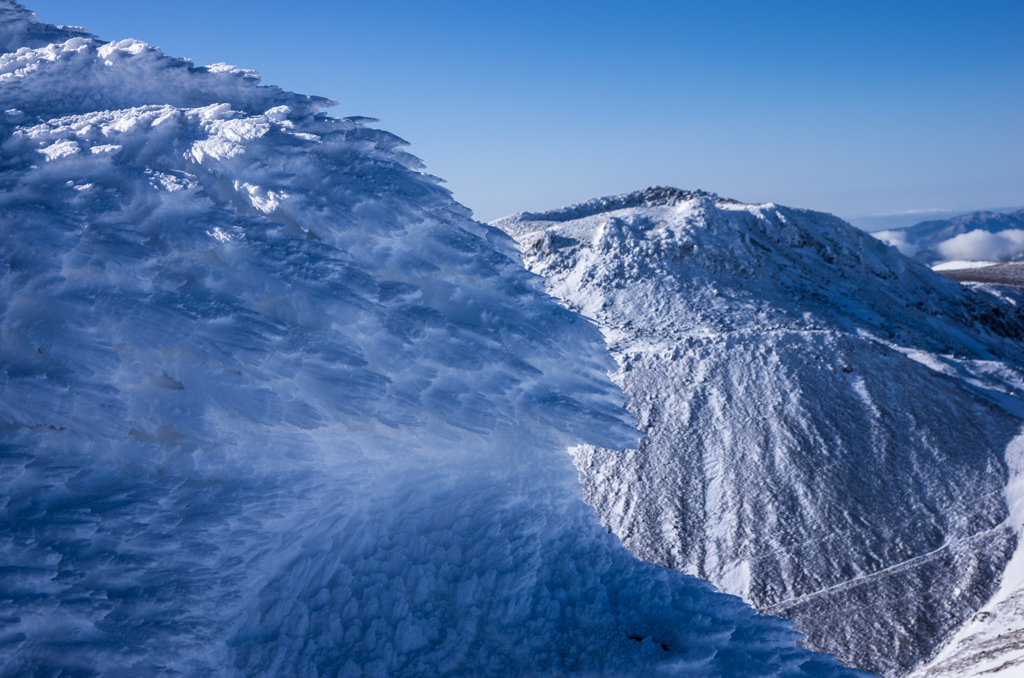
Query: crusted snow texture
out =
(827, 420)
(991, 644)
(271, 403)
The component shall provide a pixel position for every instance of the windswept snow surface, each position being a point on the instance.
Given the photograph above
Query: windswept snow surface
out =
(827, 420)
(991, 644)
(273, 404)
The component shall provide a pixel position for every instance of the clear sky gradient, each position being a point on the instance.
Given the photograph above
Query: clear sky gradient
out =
(856, 108)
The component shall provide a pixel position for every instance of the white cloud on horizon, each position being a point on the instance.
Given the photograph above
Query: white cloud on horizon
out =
(982, 245)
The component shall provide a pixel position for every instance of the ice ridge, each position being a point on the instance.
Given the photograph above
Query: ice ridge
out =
(50, 72)
(19, 29)
(272, 403)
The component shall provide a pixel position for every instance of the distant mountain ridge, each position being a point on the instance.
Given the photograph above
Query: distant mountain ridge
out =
(898, 220)
(933, 241)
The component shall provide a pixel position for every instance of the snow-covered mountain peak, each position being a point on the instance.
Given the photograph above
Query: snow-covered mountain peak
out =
(755, 260)
(649, 197)
(827, 420)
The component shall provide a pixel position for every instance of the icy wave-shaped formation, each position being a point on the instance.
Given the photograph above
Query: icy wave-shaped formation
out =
(827, 420)
(271, 403)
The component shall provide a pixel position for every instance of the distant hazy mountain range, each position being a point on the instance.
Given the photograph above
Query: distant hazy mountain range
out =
(989, 236)
(899, 220)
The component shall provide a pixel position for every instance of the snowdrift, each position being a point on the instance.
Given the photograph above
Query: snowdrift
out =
(272, 403)
(827, 420)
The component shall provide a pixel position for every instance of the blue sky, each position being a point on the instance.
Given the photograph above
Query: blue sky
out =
(856, 108)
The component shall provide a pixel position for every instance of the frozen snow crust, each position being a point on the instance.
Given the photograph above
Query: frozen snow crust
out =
(827, 420)
(273, 404)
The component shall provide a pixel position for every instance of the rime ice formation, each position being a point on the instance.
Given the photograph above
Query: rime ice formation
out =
(271, 403)
(827, 420)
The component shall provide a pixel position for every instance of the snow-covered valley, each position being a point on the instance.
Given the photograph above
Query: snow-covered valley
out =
(828, 421)
(272, 403)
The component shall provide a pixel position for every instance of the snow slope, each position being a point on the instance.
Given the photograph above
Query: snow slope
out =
(992, 643)
(827, 421)
(975, 236)
(271, 403)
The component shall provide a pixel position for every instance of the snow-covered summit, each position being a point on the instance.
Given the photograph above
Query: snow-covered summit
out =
(828, 421)
(649, 197)
(767, 257)
(271, 403)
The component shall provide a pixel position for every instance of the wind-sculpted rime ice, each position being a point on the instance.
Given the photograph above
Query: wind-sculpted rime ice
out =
(273, 404)
(828, 422)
